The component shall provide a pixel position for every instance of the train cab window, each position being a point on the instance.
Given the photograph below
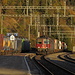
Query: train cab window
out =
(46, 41)
(39, 41)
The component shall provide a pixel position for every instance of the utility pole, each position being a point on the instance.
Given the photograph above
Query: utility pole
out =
(27, 4)
(51, 2)
(62, 36)
(50, 31)
(58, 33)
(71, 20)
(31, 17)
(35, 22)
(30, 23)
(0, 14)
(46, 2)
(24, 18)
(38, 24)
(29, 33)
(1, 18)
(64, 8)
(2, 24)
(44, 26)
(46, 11)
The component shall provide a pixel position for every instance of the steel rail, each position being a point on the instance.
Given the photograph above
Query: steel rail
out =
(47, 70)
(51, 66)
(64, 57)
(27, 65)
(60, 67)
(68, 56)
(36, 65)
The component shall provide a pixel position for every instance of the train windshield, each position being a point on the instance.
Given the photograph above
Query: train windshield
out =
(39, 41)
(46, 41)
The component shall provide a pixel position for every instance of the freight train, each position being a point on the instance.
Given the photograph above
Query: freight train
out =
(13, 46)
(48, 45)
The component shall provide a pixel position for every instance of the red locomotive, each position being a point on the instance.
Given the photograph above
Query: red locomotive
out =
(48, 45)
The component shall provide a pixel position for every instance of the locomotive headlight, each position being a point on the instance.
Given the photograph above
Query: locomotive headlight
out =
(38, 47)
(42, 45)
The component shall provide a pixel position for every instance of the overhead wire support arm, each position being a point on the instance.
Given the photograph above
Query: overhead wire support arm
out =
(32, 16)
(36, 7)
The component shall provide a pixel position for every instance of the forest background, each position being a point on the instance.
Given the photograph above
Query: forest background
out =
(20, 25)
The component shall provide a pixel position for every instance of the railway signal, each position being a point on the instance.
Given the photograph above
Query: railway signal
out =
(12, 37)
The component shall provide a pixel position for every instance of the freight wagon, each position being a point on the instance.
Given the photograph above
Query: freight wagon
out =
(13, 46)
(25, 46)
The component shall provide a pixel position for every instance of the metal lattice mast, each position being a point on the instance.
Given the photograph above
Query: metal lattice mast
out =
(1, 24)
(51, 2)
(1, 16)
(64, 8)
(27, 4)
(32, 8)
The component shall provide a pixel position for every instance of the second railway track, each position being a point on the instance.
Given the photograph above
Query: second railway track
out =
(51, 68)
(66, 58)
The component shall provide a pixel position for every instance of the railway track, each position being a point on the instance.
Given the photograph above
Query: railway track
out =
(42, 67)
(66, 58)
(67, 63)
(51, 68)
